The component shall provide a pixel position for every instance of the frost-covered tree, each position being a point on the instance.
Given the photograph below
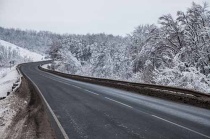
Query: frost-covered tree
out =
(189, 64)
(196, 25)
(143, 40)
(7, 55)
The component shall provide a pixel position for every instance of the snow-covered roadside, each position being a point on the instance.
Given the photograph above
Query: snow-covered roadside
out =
(21, 111)
(7, 113)
(8, 77)
(45, 66)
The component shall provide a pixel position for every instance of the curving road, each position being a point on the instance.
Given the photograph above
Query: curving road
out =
(91, 111)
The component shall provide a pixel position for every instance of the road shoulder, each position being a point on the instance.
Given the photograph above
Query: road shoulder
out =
(26, 116)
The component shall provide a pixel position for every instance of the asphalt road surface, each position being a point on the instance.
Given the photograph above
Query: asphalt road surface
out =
(91, 111)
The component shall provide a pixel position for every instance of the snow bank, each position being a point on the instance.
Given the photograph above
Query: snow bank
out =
(7, 78)
(45, 66)
(23, 52)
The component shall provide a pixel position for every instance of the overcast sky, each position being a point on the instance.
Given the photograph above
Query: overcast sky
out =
(117, 17)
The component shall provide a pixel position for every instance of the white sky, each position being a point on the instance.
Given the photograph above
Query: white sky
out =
(117, 17)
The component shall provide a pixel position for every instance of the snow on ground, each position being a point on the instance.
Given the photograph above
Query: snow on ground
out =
(45, 66)
(6, 114)
(23, 52)
(7, 78)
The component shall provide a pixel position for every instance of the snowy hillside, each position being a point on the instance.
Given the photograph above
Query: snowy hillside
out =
(24, 53)
(10, 52)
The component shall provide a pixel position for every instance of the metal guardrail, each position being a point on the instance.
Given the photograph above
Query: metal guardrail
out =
(182, 95)
(153, 86)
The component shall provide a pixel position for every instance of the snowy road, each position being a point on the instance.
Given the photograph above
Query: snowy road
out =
(91, 111)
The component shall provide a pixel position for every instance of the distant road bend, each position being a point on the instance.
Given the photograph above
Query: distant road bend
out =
(91, 111)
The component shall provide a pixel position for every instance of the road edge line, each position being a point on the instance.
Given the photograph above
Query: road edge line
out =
(50, 109)
(183, 127)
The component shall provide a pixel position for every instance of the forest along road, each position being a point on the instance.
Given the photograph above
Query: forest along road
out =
(86, 110)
